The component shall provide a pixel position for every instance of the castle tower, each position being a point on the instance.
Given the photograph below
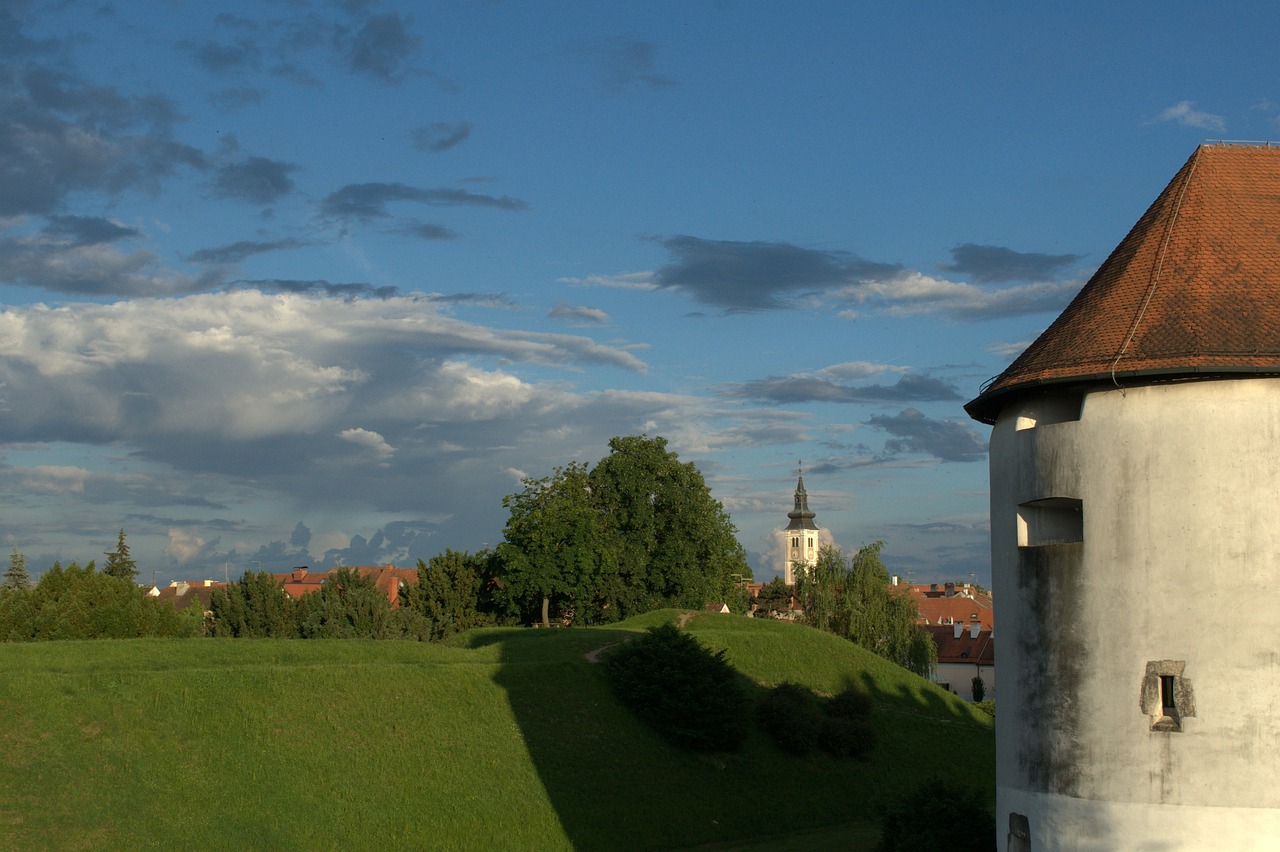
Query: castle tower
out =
(800, 538)
(1135, 542)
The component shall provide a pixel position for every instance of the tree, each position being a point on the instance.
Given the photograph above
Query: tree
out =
(979, 688)
(16, 577)
(855, 600)
(348, 605)
(453, 592)
(774, 596)
(256, 607)
(556, 555)
(120, 563)
(677, 545)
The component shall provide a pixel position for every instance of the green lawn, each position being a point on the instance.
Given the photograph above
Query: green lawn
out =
(505, 739)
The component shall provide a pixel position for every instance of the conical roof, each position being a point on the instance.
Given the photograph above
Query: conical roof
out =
(801, 516)
(1192, 292)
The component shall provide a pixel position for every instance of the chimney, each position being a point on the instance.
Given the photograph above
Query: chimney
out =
(933, 587)
(959, 629)
(951, 589)
(975, 629)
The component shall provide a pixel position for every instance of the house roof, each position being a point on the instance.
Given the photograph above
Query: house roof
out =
(961, 605)
(1193, 291)
(979, 650)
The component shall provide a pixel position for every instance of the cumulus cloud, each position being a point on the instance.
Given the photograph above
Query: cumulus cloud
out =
(1185, 113)
(947, 440)
(184, 545)
(990, 264)
(756, 276)
(440, 137)
(370, 441)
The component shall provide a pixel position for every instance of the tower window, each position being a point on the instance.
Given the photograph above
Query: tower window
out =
(1053, 520)
(1166, 695)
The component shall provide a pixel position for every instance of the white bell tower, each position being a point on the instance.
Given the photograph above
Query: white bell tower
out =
(800, 538)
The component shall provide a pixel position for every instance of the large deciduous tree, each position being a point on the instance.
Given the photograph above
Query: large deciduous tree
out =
(639, 531)
(557, 555)
(855, 599)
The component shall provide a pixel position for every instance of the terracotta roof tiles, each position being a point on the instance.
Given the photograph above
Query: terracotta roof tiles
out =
(1192, 291)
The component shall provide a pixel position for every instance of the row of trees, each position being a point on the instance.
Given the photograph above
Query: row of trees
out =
(83, 603)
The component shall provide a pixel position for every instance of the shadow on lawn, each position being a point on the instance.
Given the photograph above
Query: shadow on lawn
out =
(615, 784)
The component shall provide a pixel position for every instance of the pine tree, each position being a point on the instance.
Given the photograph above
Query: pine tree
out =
(16, 577)
(120, 563)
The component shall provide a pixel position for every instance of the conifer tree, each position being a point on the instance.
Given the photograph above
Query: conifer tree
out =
(120, 563)
(16, 577)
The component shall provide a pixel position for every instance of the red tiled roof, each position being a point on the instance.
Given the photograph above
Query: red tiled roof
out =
(1193, 291)
(979, 650)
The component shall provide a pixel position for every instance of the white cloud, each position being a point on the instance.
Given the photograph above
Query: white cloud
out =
(621, 281)
(914, 293)
(183, 546)
(1185, 113)
(369, 440)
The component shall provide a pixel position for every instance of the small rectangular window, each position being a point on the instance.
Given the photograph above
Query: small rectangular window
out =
(1052, 520)
(1167, 704)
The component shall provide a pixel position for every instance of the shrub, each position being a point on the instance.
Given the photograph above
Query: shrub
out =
(938, 815)
(790, 715)
(690, 696)
(846, 738)
(853, 703)
(988, 707)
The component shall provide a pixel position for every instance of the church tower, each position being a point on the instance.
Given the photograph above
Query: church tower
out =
(800, 538)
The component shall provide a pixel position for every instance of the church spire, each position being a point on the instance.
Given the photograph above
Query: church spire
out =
(801, 516)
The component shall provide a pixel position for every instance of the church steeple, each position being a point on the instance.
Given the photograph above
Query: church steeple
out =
(800, 538)
(801, 516)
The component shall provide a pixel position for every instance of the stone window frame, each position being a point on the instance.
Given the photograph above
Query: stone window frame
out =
(1152, 697)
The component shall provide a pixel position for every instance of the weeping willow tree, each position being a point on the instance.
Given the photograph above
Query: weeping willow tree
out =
(854, 599)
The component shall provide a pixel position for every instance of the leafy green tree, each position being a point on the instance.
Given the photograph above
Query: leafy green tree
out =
(453, 592)
(557, 556)
(84, 603)
(774, 596)
(16, 577)
(120, 563)
(855, 600)
(256, 607)
(677, 545)
(979, 689)
(348, 605)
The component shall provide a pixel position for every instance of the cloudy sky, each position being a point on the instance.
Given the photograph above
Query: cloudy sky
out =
(292, 282)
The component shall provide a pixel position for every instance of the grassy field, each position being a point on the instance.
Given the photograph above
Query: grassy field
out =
(506, 739)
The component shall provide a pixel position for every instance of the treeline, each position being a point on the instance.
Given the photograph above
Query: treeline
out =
(84, 603)
(448, 598)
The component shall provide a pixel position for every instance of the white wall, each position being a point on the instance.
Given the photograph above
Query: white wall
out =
(1177, 558)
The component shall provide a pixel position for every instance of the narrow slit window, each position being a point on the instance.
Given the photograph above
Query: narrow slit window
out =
(1168, 706)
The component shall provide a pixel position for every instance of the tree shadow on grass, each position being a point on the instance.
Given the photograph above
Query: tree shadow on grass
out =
(616, 784)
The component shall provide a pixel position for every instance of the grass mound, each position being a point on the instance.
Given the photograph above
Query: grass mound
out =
(504, 738)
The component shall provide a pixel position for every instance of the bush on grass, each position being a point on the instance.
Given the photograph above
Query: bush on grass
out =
(690, 696)
(938, 815)
(799, 721)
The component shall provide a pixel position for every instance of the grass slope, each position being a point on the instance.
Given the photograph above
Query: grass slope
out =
(506, 739)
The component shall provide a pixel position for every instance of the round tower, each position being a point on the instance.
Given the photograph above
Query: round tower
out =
(1134, 535)
(800, 538)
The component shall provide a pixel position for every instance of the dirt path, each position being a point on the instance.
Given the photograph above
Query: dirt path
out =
(594, 656)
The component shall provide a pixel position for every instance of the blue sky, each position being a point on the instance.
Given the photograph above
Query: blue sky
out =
(291, 283)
